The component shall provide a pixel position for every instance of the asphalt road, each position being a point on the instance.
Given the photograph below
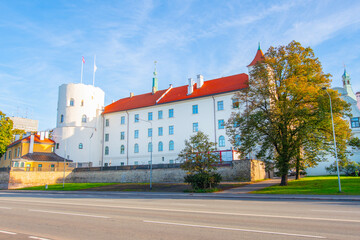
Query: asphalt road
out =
(173, 216)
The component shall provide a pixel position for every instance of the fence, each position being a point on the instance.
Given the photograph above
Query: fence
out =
(40, 169)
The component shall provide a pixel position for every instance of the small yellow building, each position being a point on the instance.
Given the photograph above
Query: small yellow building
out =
(33, 153)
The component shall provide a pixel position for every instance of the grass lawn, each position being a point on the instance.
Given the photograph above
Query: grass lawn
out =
(127, 187)
(320, 185)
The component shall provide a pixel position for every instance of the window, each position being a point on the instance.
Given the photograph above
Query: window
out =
(221, 141)
(150, 116)
(220, 105)
(160, 114)
(122, 163)
(171, 161)
(57, 145)
(19, 152)
(195, 127)
(16, 164)
(136, 118)
(195, 109)
(122, 149)
(107, 122)
(39, 167)
(80, 146)
(160, 131)
(62, 118)
(171, 145)
(106, 137)
(355, 122)
(160, 147)
(136, 148)
(235, 103)
(136, 134)
(5, 154)
(52, 166)
(149, 132)
(15, 152)
(106, 150)
(171, 113)
(136, 163)
(9, 154)
(122, 121)
(72, 102)
(82, 103)
(22, 164)
(171, 130)
(122, 135)
(84, 118)
(150, 147)
(221, 124)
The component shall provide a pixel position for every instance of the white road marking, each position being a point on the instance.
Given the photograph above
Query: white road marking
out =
(6, 232)
(235, 229)
(39, 238)
(194, 211)
(5, 208)
(67, 213)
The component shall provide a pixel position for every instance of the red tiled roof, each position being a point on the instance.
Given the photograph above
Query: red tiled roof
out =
(211, 87)
(216, 86)
(258, 58)
(138, 101)
(46, 157)
(36, 140)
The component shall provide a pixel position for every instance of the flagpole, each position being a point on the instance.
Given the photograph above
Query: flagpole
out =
(94, 70)
(82, 69)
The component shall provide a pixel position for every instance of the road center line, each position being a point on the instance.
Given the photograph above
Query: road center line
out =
(67, 213)
(38, 238)
(6, 232)
(193, 211)
(235, 229)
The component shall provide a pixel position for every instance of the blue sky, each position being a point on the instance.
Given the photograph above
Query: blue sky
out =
(42, 43)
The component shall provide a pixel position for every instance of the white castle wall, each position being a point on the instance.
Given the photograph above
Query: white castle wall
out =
(88, 100)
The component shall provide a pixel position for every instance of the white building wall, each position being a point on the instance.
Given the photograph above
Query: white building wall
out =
(71, 131)
(183, 128)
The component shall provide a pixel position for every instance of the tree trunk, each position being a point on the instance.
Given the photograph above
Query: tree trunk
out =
(284, 180)
(297, 169)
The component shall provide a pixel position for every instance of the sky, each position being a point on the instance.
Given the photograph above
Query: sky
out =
(42, 44)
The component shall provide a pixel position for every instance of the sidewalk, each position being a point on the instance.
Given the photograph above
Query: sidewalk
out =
(253, 186)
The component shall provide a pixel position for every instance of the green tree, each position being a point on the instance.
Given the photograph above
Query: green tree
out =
(6, 126)
(199, 159)
(286, 114)
(19, 132)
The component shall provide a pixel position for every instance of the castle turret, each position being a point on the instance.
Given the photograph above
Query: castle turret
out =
(347, 85)
(258, 58)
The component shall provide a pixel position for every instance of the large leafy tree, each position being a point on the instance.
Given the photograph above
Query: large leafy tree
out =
(6, 126)
(285, 117)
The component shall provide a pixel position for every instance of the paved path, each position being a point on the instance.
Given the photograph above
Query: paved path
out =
(253, 186)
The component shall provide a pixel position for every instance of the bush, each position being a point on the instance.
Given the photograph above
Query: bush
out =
(203, 180)
(351, 169)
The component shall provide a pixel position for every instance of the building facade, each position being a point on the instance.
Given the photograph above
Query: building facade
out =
(153, 125)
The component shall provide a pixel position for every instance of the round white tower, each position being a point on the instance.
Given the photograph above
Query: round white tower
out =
(79, 123)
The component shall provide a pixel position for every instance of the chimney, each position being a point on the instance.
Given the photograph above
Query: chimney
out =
(200, 81)
(31, 145)
(42, 136)
(191, 86)
(17, 137)
(131, 94)
(46, 134)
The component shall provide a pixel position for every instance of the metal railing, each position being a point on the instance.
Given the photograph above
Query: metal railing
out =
(40, 169)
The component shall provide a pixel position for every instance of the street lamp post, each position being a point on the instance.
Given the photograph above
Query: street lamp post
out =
(152, 147)
(336, 157)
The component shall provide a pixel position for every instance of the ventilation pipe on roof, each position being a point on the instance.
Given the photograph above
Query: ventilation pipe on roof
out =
(31, 145)
(131, 94)
(191, 86)
(46, 134)
(42, 136)
(200, 81)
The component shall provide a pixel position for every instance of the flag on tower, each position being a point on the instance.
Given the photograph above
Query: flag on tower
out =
(83, 59)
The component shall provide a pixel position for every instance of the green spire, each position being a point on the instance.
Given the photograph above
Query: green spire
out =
(259, 47)
(155, 80)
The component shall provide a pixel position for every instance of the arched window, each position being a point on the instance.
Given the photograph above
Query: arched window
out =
(160, 147)
(106, 150)
(72, 102)
(136, 148)
(80, 146)
(221, 141)
(150, 147)
(171, 145)
(82, 103)
(84, 118)
(122, 149)
(62, 118)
